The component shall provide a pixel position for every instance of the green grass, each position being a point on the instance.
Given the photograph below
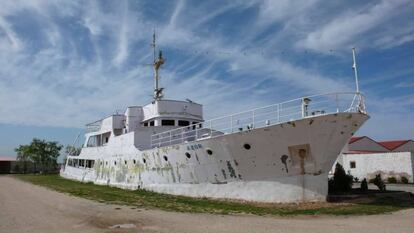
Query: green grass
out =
(146, 199)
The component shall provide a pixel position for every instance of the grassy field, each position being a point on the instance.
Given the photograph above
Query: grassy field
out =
(149, 200)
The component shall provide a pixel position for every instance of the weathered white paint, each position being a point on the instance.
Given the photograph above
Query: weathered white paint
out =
(395, 164)
(270, 171)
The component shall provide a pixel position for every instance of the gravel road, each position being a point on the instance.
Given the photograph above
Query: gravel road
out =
(28, 208)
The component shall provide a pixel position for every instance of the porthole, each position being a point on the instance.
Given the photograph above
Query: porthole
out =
(115, 162)
(106, 162)
(247, 146)
(210, 152)
(165, 158)
(188, 155)
(134, 161)
(125, 162)
(144, 160)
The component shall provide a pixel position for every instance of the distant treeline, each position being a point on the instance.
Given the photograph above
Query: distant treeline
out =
(40, 156)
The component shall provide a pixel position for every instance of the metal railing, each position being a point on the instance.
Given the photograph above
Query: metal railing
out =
(265, 116)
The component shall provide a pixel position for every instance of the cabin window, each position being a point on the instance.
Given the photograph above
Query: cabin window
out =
(145, 124)
(167, 122)
(352, 164)
(183, 123)
(151, 123)
(106, 139)
(197, 124)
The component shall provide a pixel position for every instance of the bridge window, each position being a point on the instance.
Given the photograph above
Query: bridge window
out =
(183, 123)
(167, 122)
(145, 124)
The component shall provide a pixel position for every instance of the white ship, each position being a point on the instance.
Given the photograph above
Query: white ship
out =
(278, 153)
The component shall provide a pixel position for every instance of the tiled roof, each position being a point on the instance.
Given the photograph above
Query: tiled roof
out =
(354, 139)
(391, 145)
(7, 158)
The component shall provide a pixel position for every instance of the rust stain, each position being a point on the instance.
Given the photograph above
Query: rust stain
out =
(284, 158)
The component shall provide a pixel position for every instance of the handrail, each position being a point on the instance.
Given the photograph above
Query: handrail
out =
(263, 116)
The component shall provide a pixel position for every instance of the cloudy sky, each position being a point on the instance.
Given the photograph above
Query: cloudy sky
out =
(66, 63)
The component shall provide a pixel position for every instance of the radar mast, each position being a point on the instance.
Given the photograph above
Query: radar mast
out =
(157, 63)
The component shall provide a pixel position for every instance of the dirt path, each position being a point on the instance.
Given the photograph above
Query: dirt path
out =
(28, 208)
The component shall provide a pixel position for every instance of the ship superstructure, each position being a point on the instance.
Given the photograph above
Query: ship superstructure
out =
(278, 153)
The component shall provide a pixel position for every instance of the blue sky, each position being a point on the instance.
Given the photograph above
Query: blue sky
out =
(66, 63)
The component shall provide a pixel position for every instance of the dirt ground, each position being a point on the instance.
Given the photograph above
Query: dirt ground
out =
(28, 208)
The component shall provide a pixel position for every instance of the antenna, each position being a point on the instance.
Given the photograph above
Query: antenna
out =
(354, 66)
(153, 45)
(157, 63)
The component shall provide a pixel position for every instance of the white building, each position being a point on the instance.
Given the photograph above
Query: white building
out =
(365, 158)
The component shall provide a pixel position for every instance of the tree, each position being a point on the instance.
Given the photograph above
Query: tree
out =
(379, 182)
(364, 185)
(40, 152)
(341, 182)
(23, 156)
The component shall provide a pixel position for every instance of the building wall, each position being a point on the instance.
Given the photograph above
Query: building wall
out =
(5, 167)
(396, 164)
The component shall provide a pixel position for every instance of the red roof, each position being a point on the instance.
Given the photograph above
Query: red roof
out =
(7, 158)
(391, 145)
(354, 139)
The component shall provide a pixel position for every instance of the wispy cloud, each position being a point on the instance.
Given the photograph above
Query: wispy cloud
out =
(65, 63)
(345, 31)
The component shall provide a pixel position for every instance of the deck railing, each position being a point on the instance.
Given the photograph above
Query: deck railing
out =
(265, 116)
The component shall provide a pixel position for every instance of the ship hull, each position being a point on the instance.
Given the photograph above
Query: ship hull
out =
(287, 162)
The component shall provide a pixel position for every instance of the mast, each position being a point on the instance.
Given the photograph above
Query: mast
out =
(354, 66)
(157, 63)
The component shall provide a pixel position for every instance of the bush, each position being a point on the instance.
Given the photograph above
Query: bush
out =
(392, 180)
(379, 182)
(341, 182)
(364, 185)
(356, 179)
(404, 180)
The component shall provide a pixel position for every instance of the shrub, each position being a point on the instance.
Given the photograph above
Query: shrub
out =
(379, 182)
(356, 179)
(392, 180)
(364, 185)
(404, 180)
(341, 182)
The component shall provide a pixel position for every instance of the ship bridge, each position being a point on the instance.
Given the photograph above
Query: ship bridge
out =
(155, 117)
